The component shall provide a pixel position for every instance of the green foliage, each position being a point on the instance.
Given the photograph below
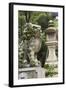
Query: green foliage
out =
(41, 18)
(21, 22)
(50, 70)
(43, 21)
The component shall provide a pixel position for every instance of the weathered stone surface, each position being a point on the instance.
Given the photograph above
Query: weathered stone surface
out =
(51, 42)
(35, 72)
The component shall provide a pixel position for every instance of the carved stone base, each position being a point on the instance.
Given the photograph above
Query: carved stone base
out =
(32, 72)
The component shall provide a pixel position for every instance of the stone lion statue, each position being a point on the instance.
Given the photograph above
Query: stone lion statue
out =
(32, 46)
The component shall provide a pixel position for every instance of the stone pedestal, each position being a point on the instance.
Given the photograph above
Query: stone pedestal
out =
(32, 72)
(52, 58)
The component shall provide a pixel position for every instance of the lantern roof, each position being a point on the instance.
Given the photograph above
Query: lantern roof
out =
(51, 27)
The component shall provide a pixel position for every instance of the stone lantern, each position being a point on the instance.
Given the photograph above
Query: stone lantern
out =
(52, 43)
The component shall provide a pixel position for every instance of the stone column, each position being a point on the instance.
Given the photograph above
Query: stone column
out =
(52, 58)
